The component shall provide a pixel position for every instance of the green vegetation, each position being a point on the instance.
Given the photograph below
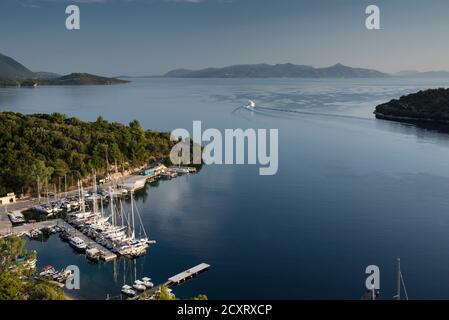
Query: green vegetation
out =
(16, 281)
(427, 105)
(164, 294)
(54, 147)
(80, 79)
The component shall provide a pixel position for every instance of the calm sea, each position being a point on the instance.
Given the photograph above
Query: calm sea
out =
(351, 190)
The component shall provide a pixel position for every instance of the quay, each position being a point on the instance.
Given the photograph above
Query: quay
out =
(105, 254)
(9, 230)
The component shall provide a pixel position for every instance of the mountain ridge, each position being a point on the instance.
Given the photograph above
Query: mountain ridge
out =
(286, 70)
(13, 73)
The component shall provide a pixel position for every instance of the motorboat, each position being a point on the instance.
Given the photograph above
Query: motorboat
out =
(127, 290)
(147, 282)
(251, 105)
(78, 244)
(47, 271)
(139, 285)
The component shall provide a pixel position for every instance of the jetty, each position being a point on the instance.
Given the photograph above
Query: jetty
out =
(105, 254)
(9, 230)
(188, 274)
(175, 280)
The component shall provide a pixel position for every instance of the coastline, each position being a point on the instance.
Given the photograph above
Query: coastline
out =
(382, 116)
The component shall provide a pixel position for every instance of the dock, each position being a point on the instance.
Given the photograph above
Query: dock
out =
(176, 279)
(27, 227)
(9, 230)
(106, 255)
(188, 274)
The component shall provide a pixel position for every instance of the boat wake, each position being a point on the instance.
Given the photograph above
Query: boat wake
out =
(267, 111)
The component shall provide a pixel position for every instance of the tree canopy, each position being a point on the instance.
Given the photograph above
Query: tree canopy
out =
(51, 147)
(16, 281)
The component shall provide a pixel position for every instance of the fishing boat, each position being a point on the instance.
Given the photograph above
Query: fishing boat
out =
(78, 244)
(127, 290)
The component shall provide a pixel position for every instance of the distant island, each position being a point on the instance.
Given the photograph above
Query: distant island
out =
(12, 73)
(442, 74)
(424, 106)
(287, 70)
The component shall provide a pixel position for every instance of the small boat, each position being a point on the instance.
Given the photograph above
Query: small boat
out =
(128, 291)
(65, 236)
(147, 282)
(93, 254)
(35, 233)
(47, 271)
(78, 244)
(61, 276)
(251, 105)
(139, 285)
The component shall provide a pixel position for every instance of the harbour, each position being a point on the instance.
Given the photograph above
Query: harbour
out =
(234, 220)
(81, 225)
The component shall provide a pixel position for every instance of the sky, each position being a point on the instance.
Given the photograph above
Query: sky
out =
(149, 37)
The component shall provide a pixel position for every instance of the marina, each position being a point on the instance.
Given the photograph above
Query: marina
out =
(88, 229)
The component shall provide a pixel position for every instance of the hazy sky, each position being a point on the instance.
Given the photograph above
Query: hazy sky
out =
(153, 36)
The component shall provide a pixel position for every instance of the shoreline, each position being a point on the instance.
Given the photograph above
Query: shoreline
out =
(409, 119)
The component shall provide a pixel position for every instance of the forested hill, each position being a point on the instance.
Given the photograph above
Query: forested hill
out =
(53, 146)
(429, 105)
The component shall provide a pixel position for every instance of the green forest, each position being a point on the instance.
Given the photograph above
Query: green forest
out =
(16, 281)
(55, 147)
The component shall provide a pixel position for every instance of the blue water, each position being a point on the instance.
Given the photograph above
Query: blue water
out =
(350, 191)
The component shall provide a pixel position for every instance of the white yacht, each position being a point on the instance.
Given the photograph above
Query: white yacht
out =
(139, 285)
(78, 244)
(128, 291)
(251, 105)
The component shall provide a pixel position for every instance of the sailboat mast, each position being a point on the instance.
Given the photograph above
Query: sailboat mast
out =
(132, 214)
(398, 295)
(112, 206)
